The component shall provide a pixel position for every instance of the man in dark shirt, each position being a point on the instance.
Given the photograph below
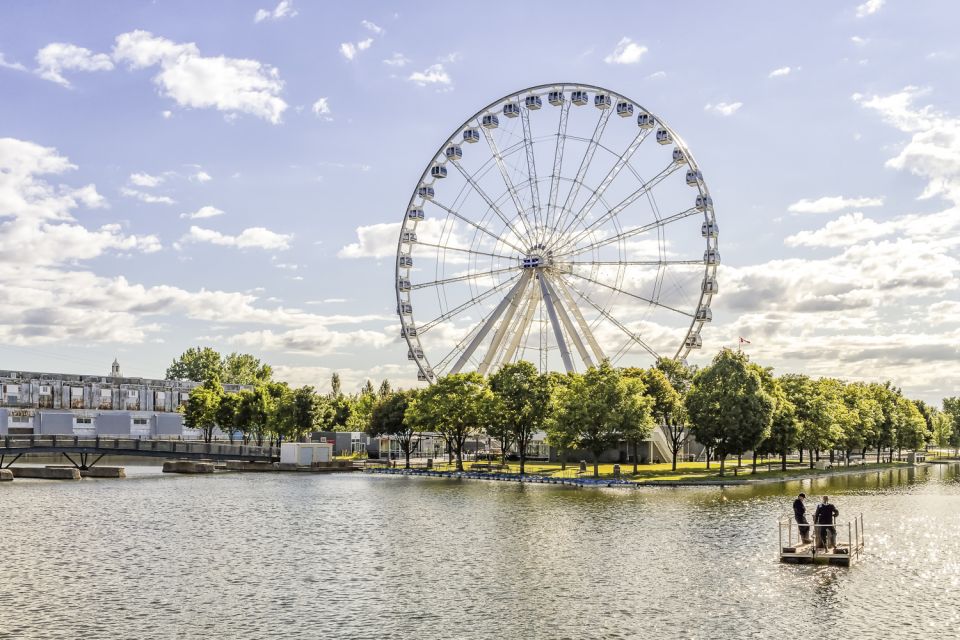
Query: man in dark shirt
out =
(800, 515)
(824, 516)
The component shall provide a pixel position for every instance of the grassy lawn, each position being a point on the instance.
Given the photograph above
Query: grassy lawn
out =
(686, 471)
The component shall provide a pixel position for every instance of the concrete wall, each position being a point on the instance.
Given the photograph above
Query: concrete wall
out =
(4, 418)
(54, 423)
(114, 424)
(169, 424)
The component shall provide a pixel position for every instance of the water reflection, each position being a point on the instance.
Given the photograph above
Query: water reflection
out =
(261, 556)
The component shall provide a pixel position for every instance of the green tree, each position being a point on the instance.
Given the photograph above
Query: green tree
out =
(198, 364)
(201, 409)
(561, 433)
(361, 408)
(253, 413)
(728, 405)
(523, 405)
(910, 429)
(335, 387)
(301, 412)
(667, 408)
(389, 418)
(455, 406)
(384, 389)
(784, 425)
(227, 414)
(951, 407)
(606, 408)
(243, 368)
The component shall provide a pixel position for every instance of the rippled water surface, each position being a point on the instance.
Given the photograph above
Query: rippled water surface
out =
(353, 556)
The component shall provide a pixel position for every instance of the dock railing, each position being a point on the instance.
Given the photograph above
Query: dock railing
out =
(853, 546)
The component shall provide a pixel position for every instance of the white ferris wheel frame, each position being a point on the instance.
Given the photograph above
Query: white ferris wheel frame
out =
(557, 297)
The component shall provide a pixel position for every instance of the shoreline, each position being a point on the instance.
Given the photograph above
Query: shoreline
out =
(627, 484)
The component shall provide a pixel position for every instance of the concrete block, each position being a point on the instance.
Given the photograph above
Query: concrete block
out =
(187, 466)
(46, 473)
(6, 475)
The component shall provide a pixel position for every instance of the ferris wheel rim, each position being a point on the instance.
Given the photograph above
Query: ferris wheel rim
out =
(412, 339)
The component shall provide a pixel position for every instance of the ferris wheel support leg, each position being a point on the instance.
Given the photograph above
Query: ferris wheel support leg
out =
(555, 322)
(520, 329)
(494, 349)
(567, 298)
(571, 331)
(491, 320)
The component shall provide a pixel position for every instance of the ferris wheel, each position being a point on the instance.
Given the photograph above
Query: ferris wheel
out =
(563, 224)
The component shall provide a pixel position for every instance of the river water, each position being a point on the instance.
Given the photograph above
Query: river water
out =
(354, 556)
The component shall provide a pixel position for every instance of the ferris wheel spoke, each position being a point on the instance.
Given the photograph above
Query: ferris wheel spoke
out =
(532, 171)
(478, 227)
(519, 328)
(582, 171)
(555, 323)
(564, 291)
(490, 203)
(662, 222)
(597, 193)
(447, 247)
(469, 276)
(498, 157)
(466, 305)
(567, 323)
(631, 295)
(516, 300)
(623, 204)
(619, 325)
(631, 263)
(491, 320)
(557, 162)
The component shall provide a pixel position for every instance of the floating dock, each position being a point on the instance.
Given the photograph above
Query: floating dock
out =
(845, 550)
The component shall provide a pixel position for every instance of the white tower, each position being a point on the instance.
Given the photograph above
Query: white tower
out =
(115, 369)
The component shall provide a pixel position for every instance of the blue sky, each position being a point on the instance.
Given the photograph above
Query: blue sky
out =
(175, 173)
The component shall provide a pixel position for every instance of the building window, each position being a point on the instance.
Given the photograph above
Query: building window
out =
(131, 394)
(45, 390)
(139, 421)
(105, 394)
(84, 420)
(20, 419)
(76, 392)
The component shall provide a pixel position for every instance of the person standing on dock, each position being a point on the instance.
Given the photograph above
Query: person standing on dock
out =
(800, 514)
(824, 516)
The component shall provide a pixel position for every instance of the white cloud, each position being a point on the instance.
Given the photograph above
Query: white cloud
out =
(434, 74)
(57, 57)
(283, 10)
(203, 212)
(869, 7)
(723, 108)
(848, 229)
(231, 85)
(369, 26)
(657, 74)
(252, 238)
(397, 60)
(167, 114)
(16, 66)
(857, 40)
(626, 52)
(145, 180)
(933, 152)
(321, 109)
(36, 222)
(142, 196)
(780, 72)
(832, 204)
(201, 176)
(350, 50)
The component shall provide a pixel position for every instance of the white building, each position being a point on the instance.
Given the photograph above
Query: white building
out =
(33, 403)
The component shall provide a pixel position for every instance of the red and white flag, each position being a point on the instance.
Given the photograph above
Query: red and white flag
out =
(744, 340)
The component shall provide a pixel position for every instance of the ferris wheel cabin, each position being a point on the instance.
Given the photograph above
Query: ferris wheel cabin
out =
(555, 98)
(624, 109)
(511, 109)
(471, 136)
(415, 215)
(601, 101)
(533, 102)
(490, 121)
(579, 98)
(645, 121)
(709, 229)
(710, 285)
(453, 152)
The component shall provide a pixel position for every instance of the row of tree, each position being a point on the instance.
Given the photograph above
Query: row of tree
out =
(732, 407)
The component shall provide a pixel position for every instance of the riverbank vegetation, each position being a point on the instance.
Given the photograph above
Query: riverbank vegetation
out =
(732, 407)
